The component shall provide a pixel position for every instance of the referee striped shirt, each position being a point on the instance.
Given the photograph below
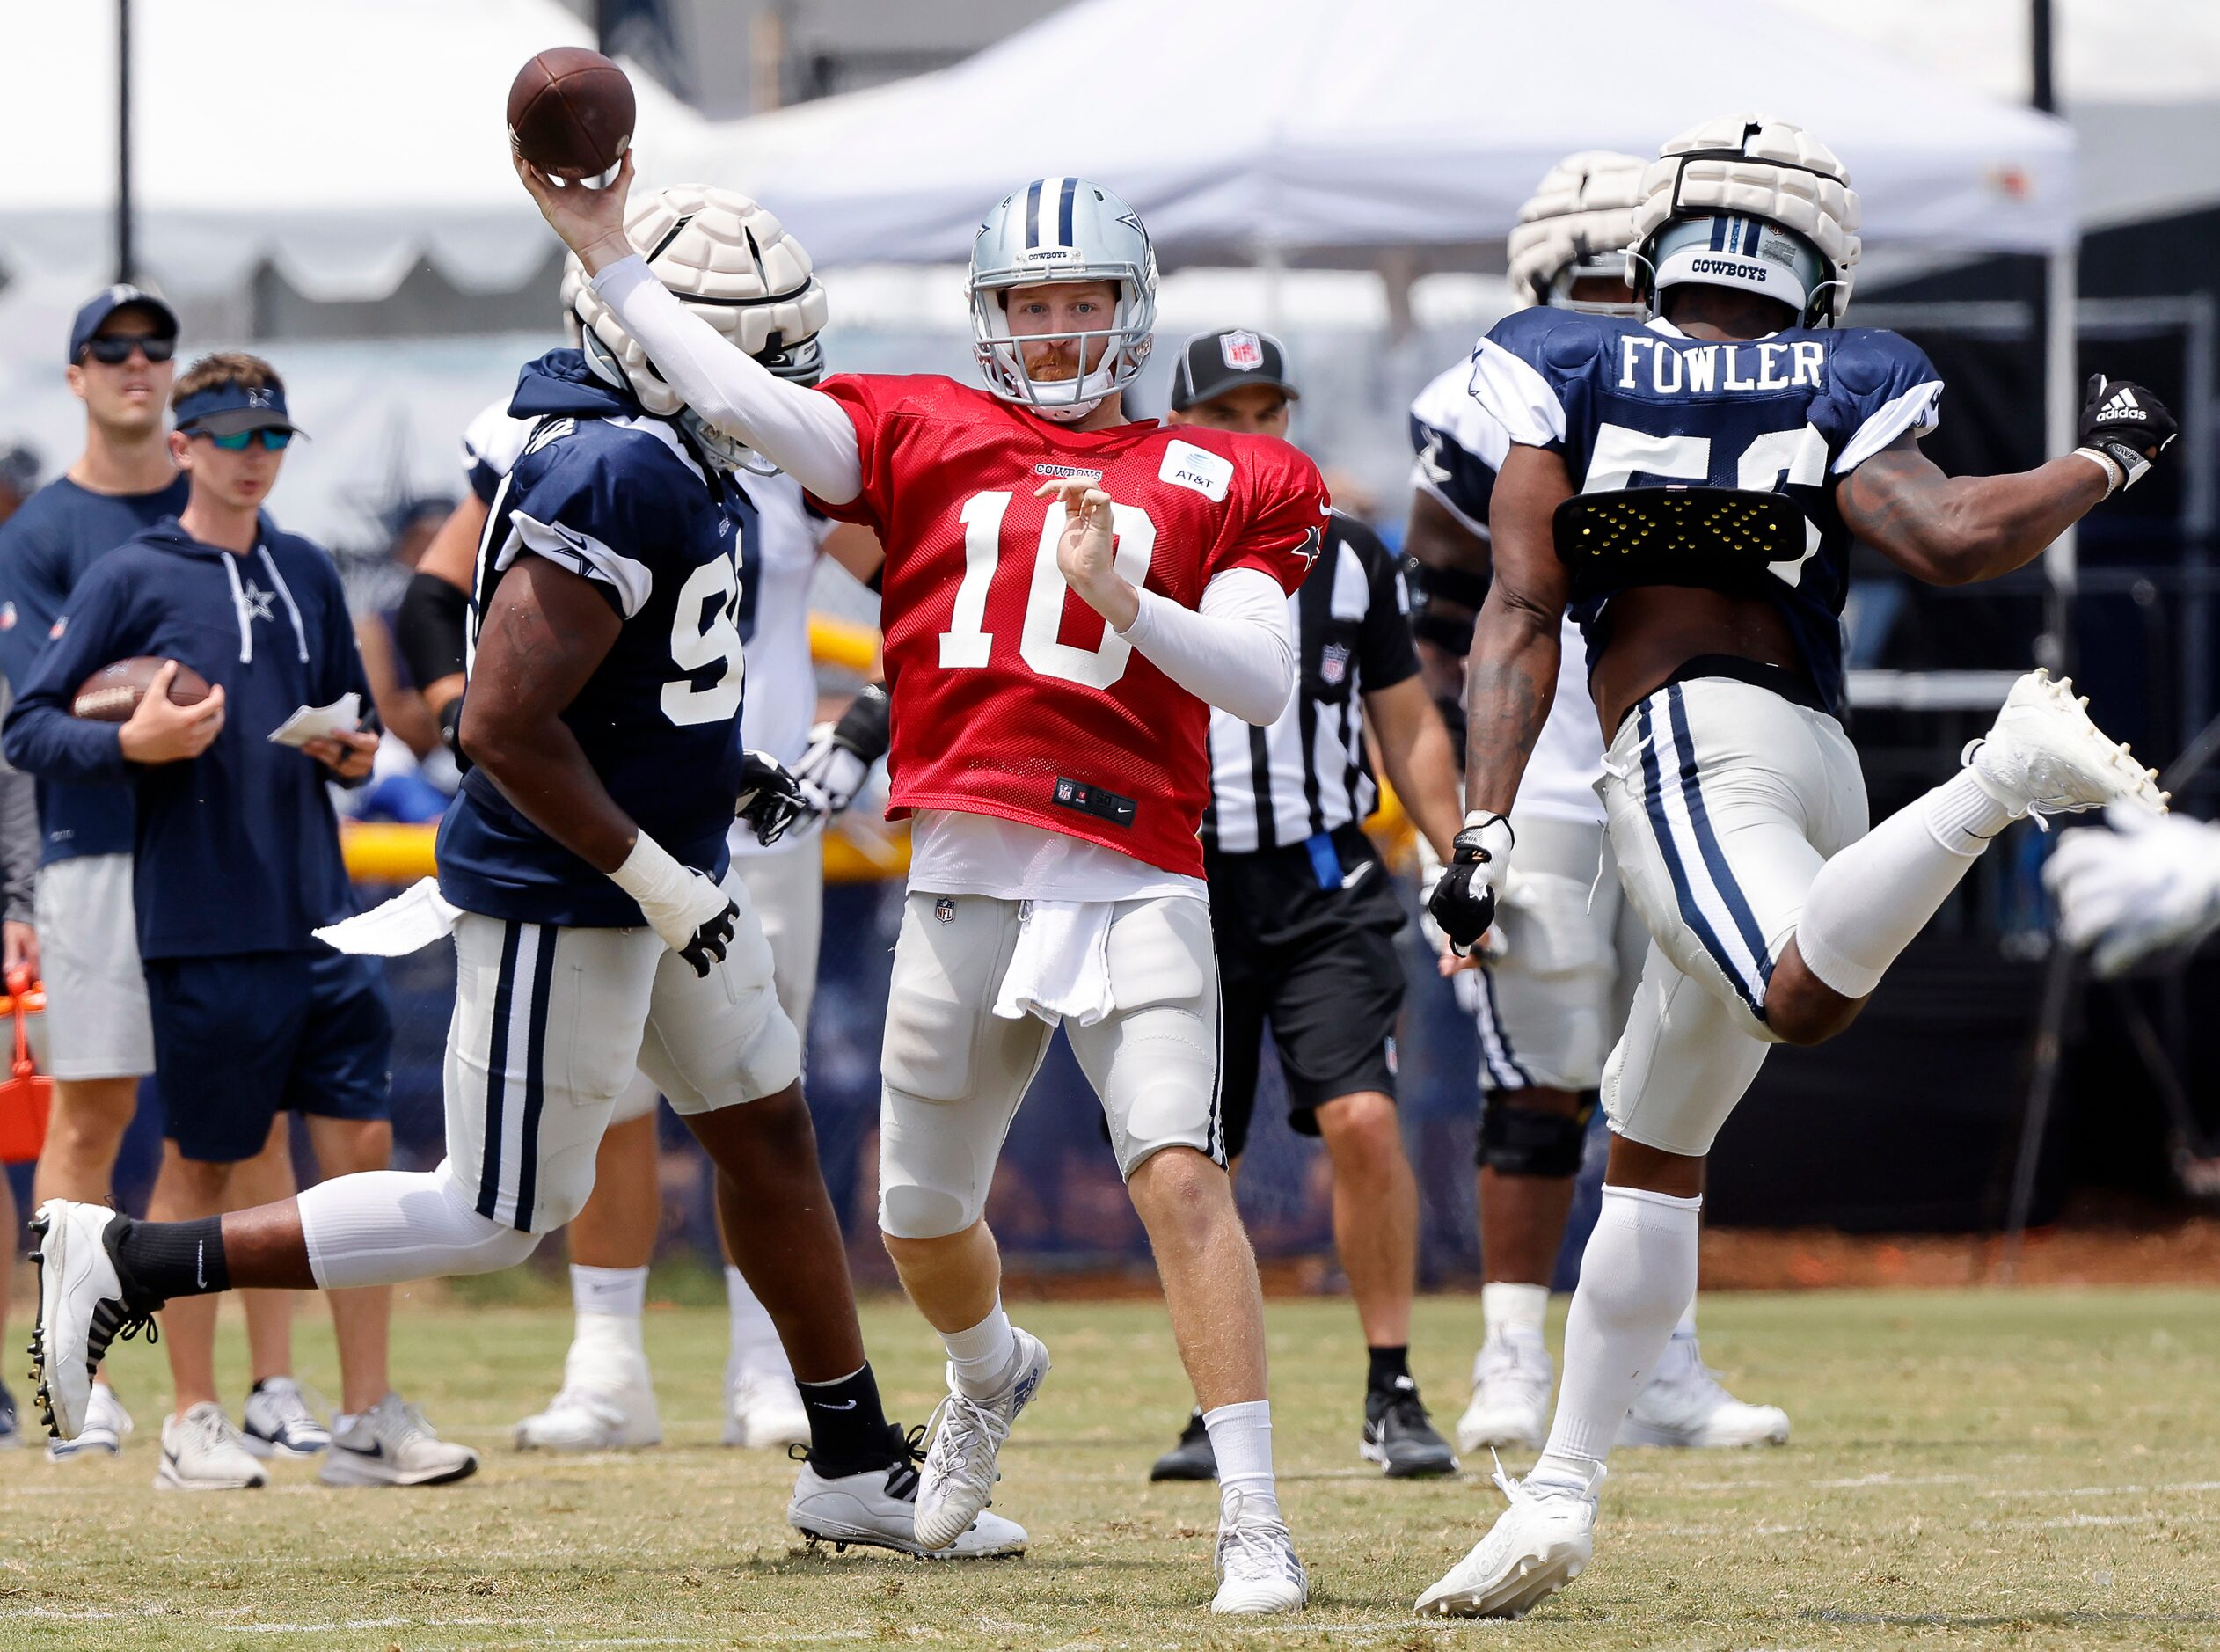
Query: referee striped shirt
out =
(1309, 772)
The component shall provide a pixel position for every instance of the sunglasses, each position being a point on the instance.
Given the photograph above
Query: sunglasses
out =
(239, 442)
(116, 352)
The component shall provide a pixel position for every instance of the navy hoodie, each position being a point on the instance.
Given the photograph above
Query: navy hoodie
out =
(237, 849)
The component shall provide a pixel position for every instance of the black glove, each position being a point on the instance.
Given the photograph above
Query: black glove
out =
(770, 799)
(2124, 427)
(1464, 901)
(712, 937)
(840, 755)
(451, 721)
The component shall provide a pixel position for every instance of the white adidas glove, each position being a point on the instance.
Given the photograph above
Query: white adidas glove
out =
(2150, 883)
(693, 916)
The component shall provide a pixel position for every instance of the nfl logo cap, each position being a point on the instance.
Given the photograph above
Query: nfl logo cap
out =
(103, 303)
(1212, 363)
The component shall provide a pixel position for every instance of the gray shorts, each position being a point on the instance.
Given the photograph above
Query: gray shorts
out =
(97, 1021)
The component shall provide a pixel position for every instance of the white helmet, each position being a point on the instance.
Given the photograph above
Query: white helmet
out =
(1578, 227)
(734, 265)
(1062, 230)
(1750, 202)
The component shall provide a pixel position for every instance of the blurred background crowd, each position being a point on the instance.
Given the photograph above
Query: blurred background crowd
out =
(2040, 186)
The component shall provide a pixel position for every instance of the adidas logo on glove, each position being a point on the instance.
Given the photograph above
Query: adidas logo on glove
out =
(2122, 405)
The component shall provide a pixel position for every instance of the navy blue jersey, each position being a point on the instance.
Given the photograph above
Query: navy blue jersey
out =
(617, 496)
(45, 548)
(1632, 404)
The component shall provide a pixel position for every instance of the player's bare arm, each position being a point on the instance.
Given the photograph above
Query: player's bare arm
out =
(545, 631)
(1511, 677)
(1454, 560)
(1421, 762)
(1957, 530)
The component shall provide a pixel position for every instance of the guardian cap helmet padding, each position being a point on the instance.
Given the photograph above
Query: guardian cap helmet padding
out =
(1771, 190)
(732, 263)
(1062, 230)
(1577, 227)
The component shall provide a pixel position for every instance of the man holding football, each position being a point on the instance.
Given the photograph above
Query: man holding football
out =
(1052, 752)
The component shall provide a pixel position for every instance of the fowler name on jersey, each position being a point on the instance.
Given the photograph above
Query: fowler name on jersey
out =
(1010, 697)
(1635, 403)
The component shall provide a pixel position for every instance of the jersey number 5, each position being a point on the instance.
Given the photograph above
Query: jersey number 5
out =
(966, 643)
(705, 633)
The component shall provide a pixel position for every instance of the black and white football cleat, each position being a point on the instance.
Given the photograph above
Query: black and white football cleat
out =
(81, 1309)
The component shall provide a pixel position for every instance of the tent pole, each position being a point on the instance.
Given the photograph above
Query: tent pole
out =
(126, 254)
(2062, 412)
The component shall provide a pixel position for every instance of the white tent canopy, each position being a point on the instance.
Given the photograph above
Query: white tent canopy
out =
(343, 140)
(2141, 86)
(1318, 131)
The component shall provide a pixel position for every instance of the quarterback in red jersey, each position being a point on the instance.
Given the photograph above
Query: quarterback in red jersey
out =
(1066, 593)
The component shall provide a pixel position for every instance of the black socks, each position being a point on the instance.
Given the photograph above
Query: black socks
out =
(159, 1262)
(1387, 1364)
(848, 1429)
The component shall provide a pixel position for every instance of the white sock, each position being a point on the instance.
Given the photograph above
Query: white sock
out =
(1514, 1310)
(1241, 1440)
(983, 1355)
(1636, 1277)
(1869, 901)
(622, 1292)
(755, 1346)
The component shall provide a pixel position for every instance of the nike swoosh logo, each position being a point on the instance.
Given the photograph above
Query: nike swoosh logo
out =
(1356, 875)
(376, 1453)
(199, 1264)
(827, 1405)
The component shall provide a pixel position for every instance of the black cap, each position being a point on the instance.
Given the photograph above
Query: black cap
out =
(106, 302)
(1212, 363)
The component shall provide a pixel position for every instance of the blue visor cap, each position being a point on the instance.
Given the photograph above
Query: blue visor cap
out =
(94, 313)
(225, 410)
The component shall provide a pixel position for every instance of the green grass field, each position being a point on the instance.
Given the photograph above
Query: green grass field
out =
(2040, 1470)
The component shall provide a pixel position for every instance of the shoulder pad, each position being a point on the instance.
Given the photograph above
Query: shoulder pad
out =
(1866, 360)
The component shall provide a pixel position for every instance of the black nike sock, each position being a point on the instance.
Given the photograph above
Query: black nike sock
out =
(1387, 1364)
(848, 1429)
(160, 1261)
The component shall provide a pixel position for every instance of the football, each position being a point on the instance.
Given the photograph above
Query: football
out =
(570, 114)
(111, 694)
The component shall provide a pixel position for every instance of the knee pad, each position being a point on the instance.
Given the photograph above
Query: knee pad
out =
(930, 1184)
(1516, 1140)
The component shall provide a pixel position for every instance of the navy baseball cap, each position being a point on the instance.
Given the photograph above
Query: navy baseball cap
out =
(225, 410)
(106, 302)
(1212, 363)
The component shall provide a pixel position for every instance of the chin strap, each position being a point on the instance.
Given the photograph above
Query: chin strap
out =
(1070, 412)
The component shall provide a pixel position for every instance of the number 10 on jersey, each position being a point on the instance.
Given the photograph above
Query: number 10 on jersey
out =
(966, 643)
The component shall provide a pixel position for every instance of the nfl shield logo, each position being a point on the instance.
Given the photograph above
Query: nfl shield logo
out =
(1243, 351)
(945, 910)
(1333, 665)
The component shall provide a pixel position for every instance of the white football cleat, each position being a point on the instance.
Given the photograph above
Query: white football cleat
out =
(1538, 1545)
(203, 1451)
(279, 1421)
(958, 1480)
(877, 1509)
(607, 1403)
(763, 1411)
(1511, 1381)
(107, 1426)
(391, 1444)
(1257, 1568)
(81, 1309)
(1684, 1404)
(2044, 756)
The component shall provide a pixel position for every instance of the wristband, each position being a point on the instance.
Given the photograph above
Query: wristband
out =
(2115, 476)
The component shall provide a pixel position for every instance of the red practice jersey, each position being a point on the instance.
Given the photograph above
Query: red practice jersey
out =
(1012, 697)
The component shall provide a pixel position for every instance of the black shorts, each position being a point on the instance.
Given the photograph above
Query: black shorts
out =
(239, 1040)
(1320, 964)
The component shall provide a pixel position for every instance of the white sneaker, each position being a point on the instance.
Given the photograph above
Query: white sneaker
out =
(1536, 1546)
(607, 1403)
(1683, 1403)
(958, 1480)
(107, 1426)
(279, 1421)
(2043, 756)
(1257, 1568)
(877, 1509)
(391, 1444)
(763, 1411)
(1511, 1379)
(203, 1451)
(81, 1309)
